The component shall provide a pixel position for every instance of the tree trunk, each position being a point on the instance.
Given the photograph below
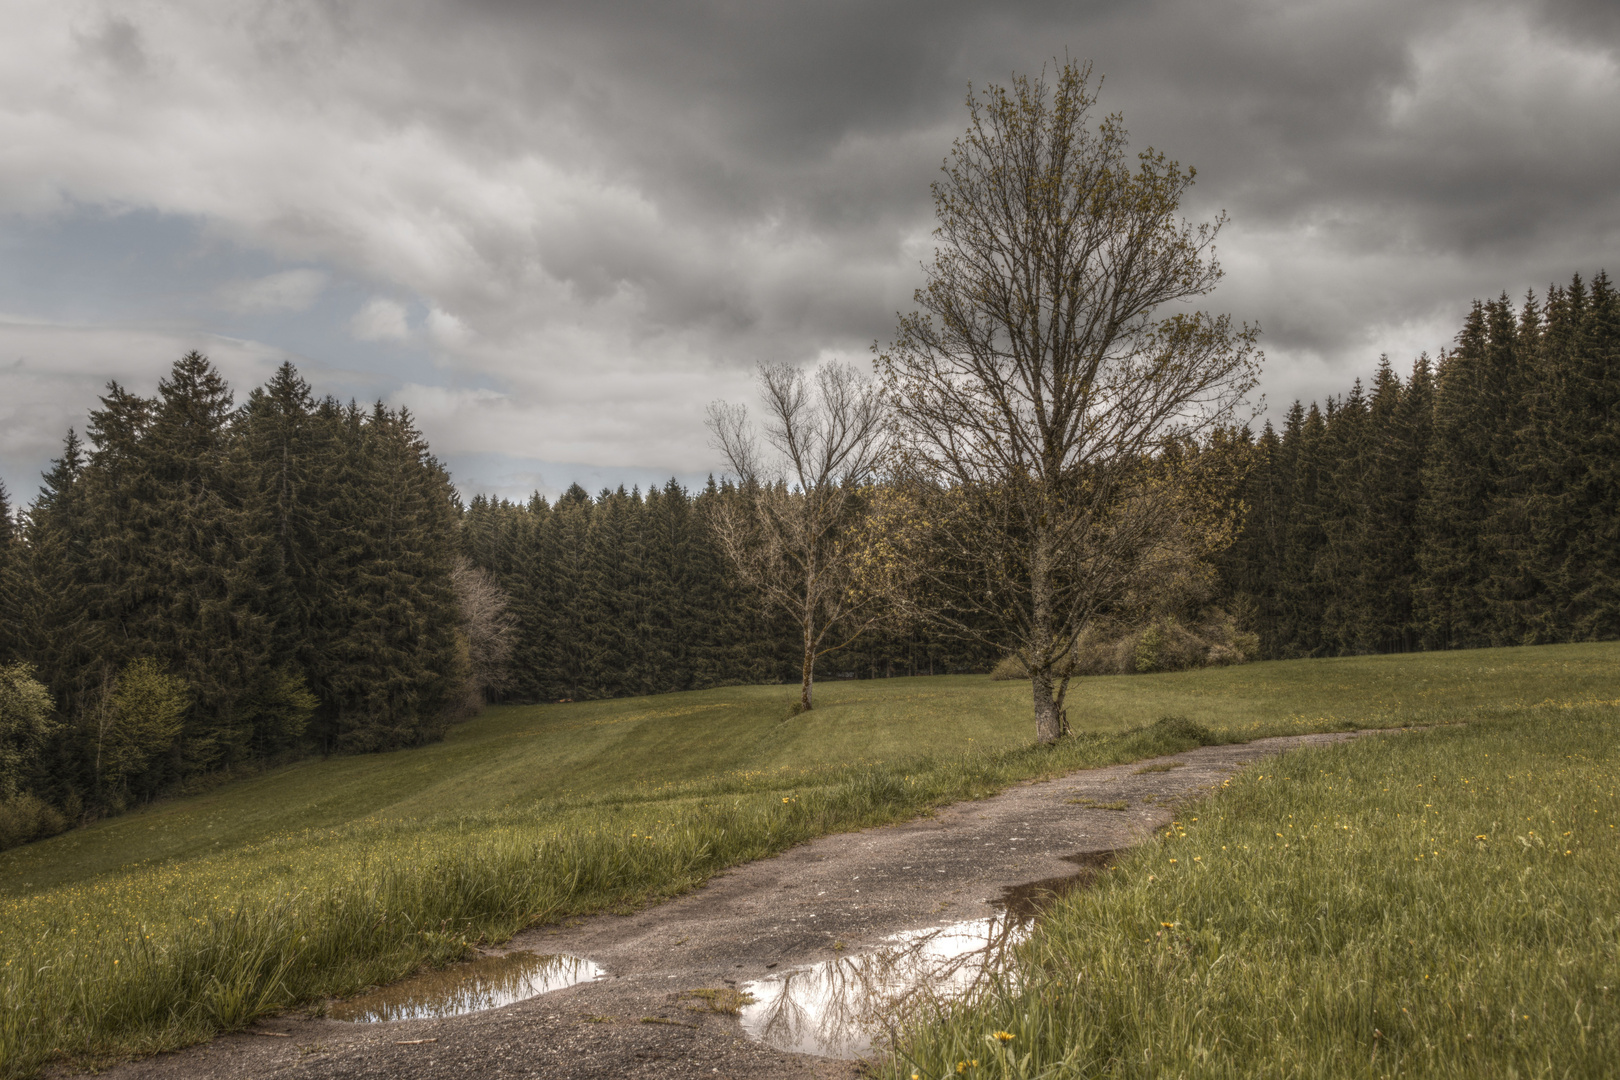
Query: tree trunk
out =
(1047, 724)
(809, 664)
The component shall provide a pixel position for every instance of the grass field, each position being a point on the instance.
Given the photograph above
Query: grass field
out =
(161, 927)
(1445, 903)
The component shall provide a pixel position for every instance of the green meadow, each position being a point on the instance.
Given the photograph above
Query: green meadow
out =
(162, 927)
(1441, 903)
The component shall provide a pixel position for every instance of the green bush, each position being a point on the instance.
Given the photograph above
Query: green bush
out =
(24, 817)
(1165, 643)
(25, 724)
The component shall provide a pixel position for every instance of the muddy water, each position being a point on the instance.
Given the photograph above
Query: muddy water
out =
(842, 1008)
(1028, 900)
(486, 983)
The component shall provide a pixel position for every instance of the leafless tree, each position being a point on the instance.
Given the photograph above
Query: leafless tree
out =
(1039, 381)
(790, 529)
(487, 628)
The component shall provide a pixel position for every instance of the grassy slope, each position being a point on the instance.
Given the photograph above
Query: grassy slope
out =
(513, 756)
(156, 929)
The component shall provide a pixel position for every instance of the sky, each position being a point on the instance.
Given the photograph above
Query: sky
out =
(557, 231)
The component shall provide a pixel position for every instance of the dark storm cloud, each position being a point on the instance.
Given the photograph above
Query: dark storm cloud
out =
(597, 217)
(1421, 131)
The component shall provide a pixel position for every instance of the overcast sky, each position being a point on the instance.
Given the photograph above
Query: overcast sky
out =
(557, 231)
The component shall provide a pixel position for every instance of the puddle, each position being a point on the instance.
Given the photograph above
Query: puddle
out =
(841, 1008)
(1027, 900)
(486, 983)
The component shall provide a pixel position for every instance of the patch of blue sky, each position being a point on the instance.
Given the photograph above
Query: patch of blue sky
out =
(139, 268)
(170, 283)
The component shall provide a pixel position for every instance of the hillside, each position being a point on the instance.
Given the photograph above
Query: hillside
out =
(202, 913)
(607, 751)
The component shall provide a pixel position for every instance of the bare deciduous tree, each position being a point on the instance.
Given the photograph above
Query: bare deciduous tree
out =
(1039, 381)
(487, 627)
(789, 531)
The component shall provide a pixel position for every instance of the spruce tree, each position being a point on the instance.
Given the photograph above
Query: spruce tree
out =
(1250, 567)
(1404, 450)
(278, 455)
(1343, 458)
(665, 559)
(11, 629)
(395, 672)
(1300, 601)
(1568, 467)
(1388, 487)
(568, 645)
(527, 583)
(63, 642)
(1459, 495)
(173, 542)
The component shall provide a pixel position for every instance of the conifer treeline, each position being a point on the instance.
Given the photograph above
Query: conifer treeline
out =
(629, 594)
(202, 585)
(283, 567)
(1475, 503)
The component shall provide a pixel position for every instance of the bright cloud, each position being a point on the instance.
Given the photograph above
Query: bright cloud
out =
(381, 320)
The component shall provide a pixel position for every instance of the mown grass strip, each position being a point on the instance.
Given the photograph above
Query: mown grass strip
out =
(1445, 903)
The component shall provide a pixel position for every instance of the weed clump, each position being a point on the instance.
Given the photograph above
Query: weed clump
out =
(1168, 735)
(722, 999)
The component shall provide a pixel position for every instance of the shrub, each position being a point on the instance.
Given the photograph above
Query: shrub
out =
(1009, 669)
(24, 818)
(1165, 643)
(25, 724)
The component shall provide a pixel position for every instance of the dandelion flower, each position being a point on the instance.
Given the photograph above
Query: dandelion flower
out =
(1007, 1036)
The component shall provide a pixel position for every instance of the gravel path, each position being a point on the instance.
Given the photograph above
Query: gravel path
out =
(832, 897)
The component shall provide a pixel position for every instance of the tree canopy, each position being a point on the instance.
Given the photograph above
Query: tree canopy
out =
(1040, 379)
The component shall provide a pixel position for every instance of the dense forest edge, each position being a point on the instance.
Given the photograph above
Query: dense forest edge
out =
(203, 588)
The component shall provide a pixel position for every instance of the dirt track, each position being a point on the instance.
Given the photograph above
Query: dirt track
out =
(850, 890)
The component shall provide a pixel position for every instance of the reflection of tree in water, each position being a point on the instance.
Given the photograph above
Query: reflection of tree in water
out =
(837, 1008)
(487, 983)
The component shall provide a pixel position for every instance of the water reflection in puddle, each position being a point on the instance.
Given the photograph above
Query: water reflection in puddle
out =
(839, 1008)
(486, 983)
(1029, 899)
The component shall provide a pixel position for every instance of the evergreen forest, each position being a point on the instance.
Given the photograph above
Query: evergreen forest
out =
(1474, 503)
(203, 587)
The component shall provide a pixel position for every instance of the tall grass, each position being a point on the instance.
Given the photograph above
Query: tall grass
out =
(1444, 903)
(157, 929)
(159, 957)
